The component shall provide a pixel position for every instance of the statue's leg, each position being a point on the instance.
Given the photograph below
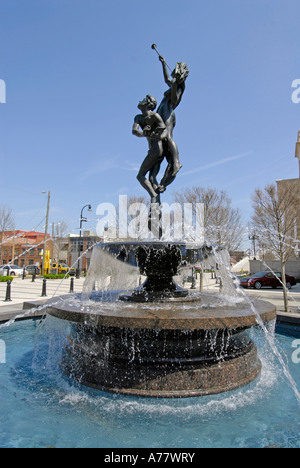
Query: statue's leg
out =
(153, 175)
(171, 154)
(174, 165)
(174, 157)
(148, 164)
(167, 179)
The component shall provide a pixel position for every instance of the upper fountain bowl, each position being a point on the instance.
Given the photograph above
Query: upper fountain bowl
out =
(158, 261)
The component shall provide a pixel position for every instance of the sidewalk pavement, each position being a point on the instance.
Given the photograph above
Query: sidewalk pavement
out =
(26, 291)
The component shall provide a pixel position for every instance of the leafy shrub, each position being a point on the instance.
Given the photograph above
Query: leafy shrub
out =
(4, 279)
(53, 276)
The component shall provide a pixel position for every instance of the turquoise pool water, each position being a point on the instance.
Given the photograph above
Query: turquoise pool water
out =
(39, 407)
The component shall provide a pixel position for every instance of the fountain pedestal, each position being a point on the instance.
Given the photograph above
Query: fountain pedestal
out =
(159, 340)
(159, 263)
(183, 349)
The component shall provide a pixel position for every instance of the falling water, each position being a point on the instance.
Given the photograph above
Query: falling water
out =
(107, 272)
(269, 336)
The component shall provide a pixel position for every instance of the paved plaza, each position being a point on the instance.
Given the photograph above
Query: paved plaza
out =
(28, 291)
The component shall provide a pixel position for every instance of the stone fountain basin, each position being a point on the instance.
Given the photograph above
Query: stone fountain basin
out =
(205, 311)
(181, 347)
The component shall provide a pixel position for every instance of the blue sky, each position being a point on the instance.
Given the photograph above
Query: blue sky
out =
(76, 69)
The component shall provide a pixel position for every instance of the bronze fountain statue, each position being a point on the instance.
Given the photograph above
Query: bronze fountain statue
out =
(158, 128)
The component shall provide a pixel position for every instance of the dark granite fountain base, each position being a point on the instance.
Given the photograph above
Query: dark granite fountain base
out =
(181, 348)
(160, 377)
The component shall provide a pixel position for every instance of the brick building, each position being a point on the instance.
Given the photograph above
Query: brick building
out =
(23, 248)
(79, 245)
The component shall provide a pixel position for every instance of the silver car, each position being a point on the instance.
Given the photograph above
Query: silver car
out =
(14, 270)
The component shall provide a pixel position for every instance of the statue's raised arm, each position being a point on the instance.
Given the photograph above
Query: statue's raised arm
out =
(167, 78)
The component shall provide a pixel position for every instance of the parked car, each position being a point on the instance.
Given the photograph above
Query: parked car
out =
(14, 270)
(266, 279)
(62, 269)
(31, 269)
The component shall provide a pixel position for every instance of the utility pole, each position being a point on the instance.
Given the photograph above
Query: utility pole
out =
(46, 233)
(13, 247)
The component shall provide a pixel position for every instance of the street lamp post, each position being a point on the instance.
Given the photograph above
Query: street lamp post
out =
(80, 235)
(46, 234)
(253, 238)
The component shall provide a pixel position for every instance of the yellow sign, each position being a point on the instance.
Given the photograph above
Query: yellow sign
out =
(47, 262)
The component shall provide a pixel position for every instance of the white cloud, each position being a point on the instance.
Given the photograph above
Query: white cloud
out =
(216, 163)
(108, 163)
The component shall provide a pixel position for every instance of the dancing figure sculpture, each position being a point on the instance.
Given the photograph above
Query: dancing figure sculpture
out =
(158, 129)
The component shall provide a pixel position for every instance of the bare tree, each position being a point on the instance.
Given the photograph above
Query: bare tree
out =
(220, 221)
(274, 222)
(7, 223)
(61, 229)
